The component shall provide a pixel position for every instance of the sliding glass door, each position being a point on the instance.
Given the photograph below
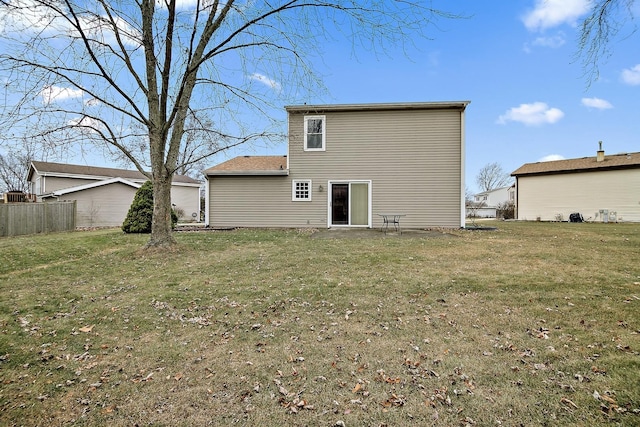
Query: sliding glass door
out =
(350, 203)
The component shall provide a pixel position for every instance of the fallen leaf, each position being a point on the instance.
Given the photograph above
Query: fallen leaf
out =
(607, 399)
(357, 388)
(394, 400)
(568, 403)
(86, 328)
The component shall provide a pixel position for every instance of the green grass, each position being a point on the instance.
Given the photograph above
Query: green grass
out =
(519, 326)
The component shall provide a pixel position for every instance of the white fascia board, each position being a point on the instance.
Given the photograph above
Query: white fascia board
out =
(187, 184)
(96, 184)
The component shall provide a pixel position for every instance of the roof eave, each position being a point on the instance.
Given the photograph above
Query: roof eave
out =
(186, 184)
(284, 172)
(579, 170)
(64, 191)
(457, 105)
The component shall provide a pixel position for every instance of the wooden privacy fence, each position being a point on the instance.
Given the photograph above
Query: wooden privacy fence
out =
(30, 218)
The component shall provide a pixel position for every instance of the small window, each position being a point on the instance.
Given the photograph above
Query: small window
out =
(314, 133)
(301, 191)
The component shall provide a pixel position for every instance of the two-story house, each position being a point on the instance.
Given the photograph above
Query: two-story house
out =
(486, 203)
(346, 165)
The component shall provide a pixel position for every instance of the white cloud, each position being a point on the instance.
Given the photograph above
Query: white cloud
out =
(598, 103)
(51, 94)
(29, 17)
(92, 102)
(552, 13)
(631, 76)
(187, 5)
(551, 158)
(265, 81)
(86, 125)
(84, 121)
(102, 31)
(553, 41)
(536, 113)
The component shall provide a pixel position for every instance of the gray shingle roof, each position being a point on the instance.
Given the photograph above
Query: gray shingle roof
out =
(616, 161)
(251, 165)
(44, 168)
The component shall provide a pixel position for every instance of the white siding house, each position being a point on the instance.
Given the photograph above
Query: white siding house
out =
(600, 188)
(489, 201)
(346, 165)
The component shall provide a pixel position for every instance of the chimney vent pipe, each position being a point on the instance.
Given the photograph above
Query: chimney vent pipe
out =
(600, 154)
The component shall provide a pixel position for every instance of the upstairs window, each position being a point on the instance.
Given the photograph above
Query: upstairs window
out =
(301, 191)
(314, 133)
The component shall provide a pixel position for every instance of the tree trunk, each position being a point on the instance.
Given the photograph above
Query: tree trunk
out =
(161, 233)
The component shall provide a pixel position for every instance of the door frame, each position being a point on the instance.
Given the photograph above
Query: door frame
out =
(329, 201)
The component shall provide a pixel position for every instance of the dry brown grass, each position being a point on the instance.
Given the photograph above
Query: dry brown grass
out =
(532, 324)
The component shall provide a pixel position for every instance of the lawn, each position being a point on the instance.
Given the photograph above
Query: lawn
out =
(530, 324)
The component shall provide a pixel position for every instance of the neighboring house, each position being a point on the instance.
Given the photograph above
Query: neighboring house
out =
(489, 201)
(601, 188)
(104, 195)
(346, 165)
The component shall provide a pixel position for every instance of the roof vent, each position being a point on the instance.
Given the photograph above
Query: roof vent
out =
(600, 154)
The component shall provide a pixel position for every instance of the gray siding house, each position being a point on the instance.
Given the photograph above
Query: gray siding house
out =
(346, 165)
(103, 195)
(601, 188)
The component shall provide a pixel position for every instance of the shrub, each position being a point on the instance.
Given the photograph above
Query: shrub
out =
(506, 210)
(140, 215)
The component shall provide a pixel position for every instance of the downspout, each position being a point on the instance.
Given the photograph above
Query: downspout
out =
(206, 201)
(515, 214)
(462, 170)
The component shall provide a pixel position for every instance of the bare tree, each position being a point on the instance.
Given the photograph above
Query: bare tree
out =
(15, 161)
(600, 29)
(492, 176)
(13, 172)
(113, 73)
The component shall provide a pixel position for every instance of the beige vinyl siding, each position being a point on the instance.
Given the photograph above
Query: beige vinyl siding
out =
(104, 206)
(265, 201)
(54, 183)
(186, 198)
(107, 205)
(413, 158)
(546, 197)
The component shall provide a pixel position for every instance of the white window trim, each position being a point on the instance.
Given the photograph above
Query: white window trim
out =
(369, 208)
(324, 132)
(293, 190)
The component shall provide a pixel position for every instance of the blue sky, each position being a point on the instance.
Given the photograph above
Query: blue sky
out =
(516, 62)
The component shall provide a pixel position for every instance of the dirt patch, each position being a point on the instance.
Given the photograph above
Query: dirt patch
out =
(372, 233)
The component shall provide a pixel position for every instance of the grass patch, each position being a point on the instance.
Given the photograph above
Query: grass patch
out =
(532, 324)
